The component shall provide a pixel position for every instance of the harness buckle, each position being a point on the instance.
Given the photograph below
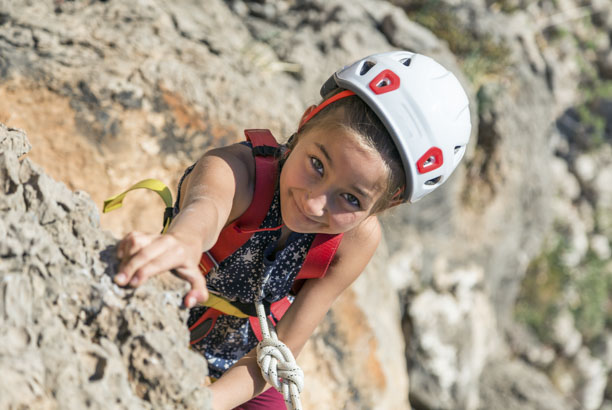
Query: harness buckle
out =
(265, 151)
(213, 260)
(208, 263)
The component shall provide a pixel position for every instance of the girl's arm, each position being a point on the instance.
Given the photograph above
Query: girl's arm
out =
(218, 190)
(244, 381)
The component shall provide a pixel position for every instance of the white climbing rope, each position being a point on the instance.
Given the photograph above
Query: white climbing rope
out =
(277, 364)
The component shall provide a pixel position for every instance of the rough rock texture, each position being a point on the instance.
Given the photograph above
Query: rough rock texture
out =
(514, 386)
(70, 338)
(354, 360)
(14, 141)
(522, 232)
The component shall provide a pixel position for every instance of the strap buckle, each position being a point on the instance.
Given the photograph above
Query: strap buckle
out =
(208, 264)
(214, 261)
(265, 151)
(168, 214)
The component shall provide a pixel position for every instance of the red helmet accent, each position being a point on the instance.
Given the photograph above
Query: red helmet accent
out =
(384, 82)
(432, 159)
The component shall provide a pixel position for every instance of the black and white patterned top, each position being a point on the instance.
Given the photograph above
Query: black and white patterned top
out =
(253, 270)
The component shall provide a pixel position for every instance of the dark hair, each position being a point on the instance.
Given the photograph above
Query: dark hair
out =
(353, 114)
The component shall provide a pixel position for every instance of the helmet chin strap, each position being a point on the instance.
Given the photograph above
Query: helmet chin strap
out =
(314, 111)
(397, 197)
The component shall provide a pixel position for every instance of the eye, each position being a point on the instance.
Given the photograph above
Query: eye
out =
(317, 165)
(352, 199)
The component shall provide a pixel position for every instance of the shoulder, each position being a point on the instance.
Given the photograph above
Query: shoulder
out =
(240, 159)
(238, 156)
(363, 239)
(228, 169)
(355, 251)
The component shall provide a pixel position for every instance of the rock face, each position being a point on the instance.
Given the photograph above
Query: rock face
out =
(70, 337)
(493, 292)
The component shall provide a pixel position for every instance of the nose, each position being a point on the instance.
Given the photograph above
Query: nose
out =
(314, 204)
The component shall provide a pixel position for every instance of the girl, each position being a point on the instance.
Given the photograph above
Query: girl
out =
(392, 128)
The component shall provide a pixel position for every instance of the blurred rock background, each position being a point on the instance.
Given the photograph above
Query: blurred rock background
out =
(492, 293)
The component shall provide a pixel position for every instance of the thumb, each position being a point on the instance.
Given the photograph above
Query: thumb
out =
(194, 297)
(198, 292)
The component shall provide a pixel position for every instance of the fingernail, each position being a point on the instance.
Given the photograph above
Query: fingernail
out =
(120, 278)
(134, 281)
(190, 302)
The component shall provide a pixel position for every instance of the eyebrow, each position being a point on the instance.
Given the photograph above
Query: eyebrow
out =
(361, 192)
(324, 151)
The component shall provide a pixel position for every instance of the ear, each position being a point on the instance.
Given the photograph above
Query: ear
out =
(306, 115)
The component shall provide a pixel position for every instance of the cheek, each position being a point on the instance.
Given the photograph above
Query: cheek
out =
(287, 183)
(293, 176)
(348, 219)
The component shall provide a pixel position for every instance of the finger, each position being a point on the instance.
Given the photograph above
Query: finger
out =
(132, 243)
(163, 263)
(132, 269)
(127, 247)
(126, 243)
(160, 256)
(121, 247)
(198, 292)
(195, 297)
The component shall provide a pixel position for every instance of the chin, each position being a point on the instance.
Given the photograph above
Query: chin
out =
(295, 226)
(296, 222)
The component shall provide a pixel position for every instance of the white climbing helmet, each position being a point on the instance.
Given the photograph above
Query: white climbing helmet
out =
(423, 107)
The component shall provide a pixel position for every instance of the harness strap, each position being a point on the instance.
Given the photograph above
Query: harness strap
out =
(277, 310)
(320, 256)
(256, 327)
(233, 236)
(203, 326)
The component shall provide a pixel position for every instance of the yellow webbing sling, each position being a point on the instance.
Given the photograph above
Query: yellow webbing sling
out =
(155, 185)
(223, 305)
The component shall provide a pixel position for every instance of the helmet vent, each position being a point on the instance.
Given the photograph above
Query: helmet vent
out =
(366, 67)
(406, 61)
(433, 181)
(458, 154)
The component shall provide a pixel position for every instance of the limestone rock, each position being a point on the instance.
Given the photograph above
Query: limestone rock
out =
(565, 334)
(450, 337)
(512, 385)
(14, 140)
(70, 337)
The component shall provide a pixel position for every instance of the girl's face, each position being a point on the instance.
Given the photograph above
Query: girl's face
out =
(330, 182)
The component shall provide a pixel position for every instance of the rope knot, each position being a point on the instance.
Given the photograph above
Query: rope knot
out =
(278, 365)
